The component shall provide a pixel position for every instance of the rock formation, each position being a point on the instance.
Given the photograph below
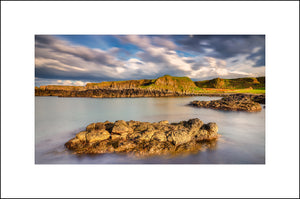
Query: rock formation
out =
(238, 83)
(144, 138)
(165, 86)
(258, 98)
(236, 102)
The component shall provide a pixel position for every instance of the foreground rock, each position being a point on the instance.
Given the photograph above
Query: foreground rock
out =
(144, 138)
(237, 102)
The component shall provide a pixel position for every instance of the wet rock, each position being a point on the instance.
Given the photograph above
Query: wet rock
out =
(115, 137)
(146, 136)
(211, 127)
(97, 135)
(143, 138)
(81, 136)
(120, 128)
(90, 127)
(179, 137)
(235, 102)
(163, 122)
(100, 126)
(159, 136)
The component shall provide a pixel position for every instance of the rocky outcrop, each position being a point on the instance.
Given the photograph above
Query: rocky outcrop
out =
(163, 86)
(258, 98)
(167, 82)
(236, 102)
(144, 138)
(111, 93)
(238, 83)
(129, 84)
(61, 88)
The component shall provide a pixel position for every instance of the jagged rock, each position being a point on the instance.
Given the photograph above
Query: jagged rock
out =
(120, 127)
(81, 136)
(236, 102)
(143, 138)
(97, 135)
(259, 99)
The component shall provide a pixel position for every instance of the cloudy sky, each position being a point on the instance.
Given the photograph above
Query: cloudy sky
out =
(78, 59)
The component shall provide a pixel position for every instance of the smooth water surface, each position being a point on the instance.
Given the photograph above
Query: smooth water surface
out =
(58, 119)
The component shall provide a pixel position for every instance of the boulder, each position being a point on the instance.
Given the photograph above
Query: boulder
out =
(179, 137)
(90, 127)
(81, 136)
(163, 122)
(159, 136)
(97, 135)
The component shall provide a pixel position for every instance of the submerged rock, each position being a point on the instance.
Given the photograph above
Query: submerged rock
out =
(143, 138)
(236, 102)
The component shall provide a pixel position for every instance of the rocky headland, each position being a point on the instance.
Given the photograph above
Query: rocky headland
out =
(112, 93)
(165, 86)
(235, 102)
(144, 138)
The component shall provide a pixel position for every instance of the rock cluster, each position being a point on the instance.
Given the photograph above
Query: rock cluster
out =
(143, 138)
(236, 102)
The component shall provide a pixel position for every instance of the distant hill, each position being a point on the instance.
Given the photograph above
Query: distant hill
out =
(171, 83)
(239, 83)
(166, 83)
(119, 84)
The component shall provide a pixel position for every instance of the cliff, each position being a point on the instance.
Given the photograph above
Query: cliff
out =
(239, 83)
(61, 88)
(163, 86)
(119, 84)
(174, 84)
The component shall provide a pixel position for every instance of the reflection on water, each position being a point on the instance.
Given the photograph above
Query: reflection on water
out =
(58, 119)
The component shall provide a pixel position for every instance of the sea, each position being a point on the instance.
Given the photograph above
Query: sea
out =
(58, 119)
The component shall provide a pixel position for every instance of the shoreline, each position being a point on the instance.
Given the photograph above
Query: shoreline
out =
(131, 93)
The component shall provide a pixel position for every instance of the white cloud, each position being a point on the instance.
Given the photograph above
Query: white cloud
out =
(164, 42)
(67, 82)
(63, 60)
(79, 83)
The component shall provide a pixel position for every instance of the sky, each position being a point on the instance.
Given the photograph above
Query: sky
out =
(79, 59)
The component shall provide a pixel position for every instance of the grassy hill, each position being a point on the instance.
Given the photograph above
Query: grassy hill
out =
(171, 83)
(166, 82)
(119, 84)
(176, 84)
(239, 83)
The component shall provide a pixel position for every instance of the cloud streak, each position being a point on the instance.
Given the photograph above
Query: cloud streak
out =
(140, 56)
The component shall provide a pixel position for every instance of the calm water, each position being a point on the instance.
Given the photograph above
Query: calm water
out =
(58, 119)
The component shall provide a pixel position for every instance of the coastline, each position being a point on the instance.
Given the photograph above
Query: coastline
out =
(130, 93)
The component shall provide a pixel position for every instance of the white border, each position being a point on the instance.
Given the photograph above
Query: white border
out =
(20, 177)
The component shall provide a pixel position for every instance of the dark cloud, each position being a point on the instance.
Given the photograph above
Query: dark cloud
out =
(49, 73)
(59, 59)
(226, 46)
(148, 57)
(87, 54)
(259, 57)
